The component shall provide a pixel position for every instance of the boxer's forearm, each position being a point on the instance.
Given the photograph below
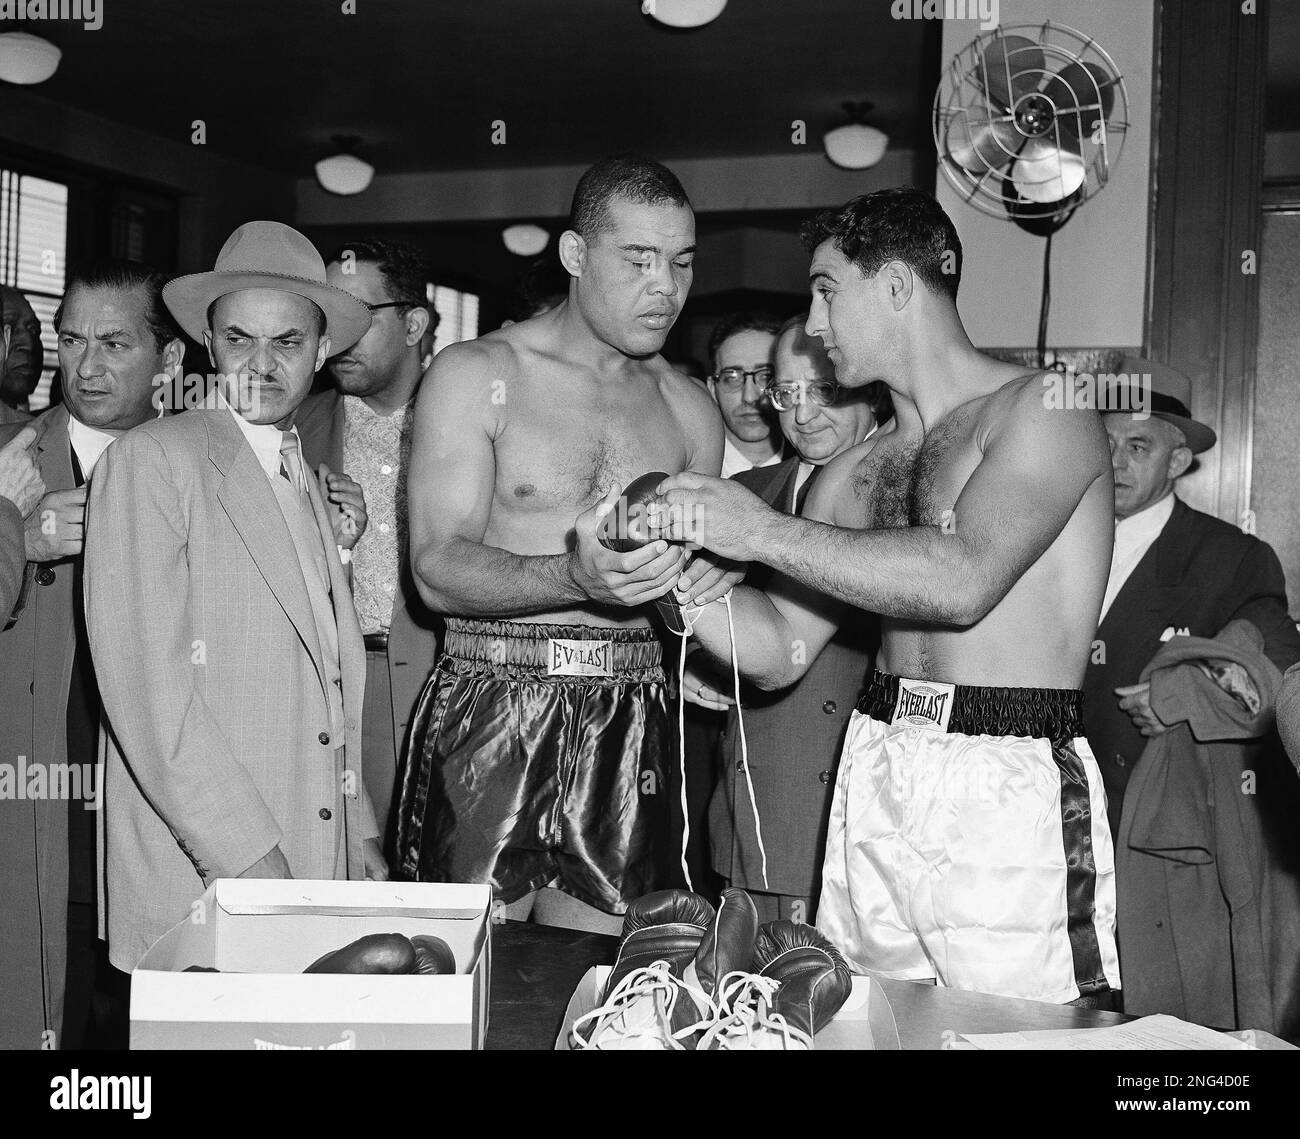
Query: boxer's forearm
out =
(763, 638)
(468, 579)
(919, 573)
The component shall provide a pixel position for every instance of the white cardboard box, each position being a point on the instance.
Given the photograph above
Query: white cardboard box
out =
(864, 1023)
(263, 933)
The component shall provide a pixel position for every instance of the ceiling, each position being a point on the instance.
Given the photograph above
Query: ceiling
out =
(421, 82)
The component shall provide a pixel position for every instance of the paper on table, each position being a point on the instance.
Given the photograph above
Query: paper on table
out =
(1150, 1032)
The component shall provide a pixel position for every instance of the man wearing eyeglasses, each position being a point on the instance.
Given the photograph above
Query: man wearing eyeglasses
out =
(363, 426)
(740, 354)
(793, 736)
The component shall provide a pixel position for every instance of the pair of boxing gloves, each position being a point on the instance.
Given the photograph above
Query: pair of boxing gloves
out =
(684, 930)
(381, 953)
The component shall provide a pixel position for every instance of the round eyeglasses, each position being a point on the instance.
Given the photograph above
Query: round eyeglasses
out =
(786, 397)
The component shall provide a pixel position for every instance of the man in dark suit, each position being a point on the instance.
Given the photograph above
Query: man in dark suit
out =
(1174, 571)
(115, 341)
(792, 736)
(363, 426)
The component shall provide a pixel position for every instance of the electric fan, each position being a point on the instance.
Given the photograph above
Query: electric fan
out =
(1029, 122)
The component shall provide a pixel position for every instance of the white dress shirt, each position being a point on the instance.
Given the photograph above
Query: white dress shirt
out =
(1134, 536)
(88, 443)
(264, 438)
(734, 461)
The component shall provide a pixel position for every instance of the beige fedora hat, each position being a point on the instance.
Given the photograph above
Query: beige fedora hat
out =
(1170, 394)
(268, 255)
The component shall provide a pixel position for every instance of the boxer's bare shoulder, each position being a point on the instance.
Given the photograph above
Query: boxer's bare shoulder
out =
(866, 487)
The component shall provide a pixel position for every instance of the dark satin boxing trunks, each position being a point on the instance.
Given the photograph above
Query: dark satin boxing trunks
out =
(537, 758)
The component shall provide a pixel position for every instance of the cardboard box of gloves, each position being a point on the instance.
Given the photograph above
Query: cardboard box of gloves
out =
(690, 977)
(263, 964)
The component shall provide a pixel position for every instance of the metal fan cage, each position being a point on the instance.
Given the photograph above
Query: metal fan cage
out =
(1003, 117)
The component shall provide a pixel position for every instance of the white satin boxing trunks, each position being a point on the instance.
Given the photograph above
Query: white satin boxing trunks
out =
(968, 842)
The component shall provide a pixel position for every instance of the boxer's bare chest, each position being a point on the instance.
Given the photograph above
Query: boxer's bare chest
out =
(560, 449)
(914, 481)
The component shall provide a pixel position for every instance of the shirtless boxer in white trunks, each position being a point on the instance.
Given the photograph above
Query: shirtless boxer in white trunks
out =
(968, 841)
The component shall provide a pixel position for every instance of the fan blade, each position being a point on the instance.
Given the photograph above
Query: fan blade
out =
(1047, 173)
(1080, 91)
(1011, 66)
(990, 145)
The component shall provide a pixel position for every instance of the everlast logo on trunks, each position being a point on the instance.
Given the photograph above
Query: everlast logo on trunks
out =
(579, 658)
(923, 704)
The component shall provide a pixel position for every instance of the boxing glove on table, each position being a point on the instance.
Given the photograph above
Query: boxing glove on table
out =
(815, 978)
(728, 944)
(627, 528)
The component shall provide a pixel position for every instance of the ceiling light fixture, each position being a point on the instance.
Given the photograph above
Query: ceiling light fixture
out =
(683, 13)
(856, 145)
(525, 240)
(27, 59)
(344, 173)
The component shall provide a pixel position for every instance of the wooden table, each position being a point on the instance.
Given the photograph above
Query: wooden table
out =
(536, 968)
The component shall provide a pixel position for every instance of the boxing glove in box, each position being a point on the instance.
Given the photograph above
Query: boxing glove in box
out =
(262, 933)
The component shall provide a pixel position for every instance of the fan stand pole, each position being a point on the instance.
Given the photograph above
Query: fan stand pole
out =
(1047, 301)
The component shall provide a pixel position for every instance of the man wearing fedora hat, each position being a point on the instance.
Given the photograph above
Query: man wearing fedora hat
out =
(221, 622)
(1174, 570)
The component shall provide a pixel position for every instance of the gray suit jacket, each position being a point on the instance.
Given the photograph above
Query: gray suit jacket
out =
(212, 679)
(413, 635)
(793, 740)
(36, 653)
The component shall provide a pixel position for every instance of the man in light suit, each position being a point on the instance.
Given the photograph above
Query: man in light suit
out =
(793, 737)
(115, 341)
(220, 619)
(363, 426)
(1173, 570)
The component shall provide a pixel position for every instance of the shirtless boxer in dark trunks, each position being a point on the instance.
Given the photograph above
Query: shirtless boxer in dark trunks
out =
(968, 842)
(538, 745)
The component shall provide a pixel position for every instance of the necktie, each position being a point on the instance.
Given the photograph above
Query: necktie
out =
(291, 461)
(802, 496)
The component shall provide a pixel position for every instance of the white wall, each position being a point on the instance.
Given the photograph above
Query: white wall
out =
(1099, 260)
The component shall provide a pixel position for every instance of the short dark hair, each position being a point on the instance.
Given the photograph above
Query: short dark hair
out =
(632, 177)
(404, 268)
(120, 273)
(737, 322)
(900, 224)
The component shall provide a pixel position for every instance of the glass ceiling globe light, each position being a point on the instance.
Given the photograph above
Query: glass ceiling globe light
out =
(683, 13)
(344, 173)
(27, 59)
(855, 145)
(525, 240)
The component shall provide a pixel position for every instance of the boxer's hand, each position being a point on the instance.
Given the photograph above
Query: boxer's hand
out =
(700, 686)
(1135, 699)
(20, 480)
(621, 579)
(55, 528)
(349, 517)
(718, 514)
(272, 864)
(706, 578)
(375, 864)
